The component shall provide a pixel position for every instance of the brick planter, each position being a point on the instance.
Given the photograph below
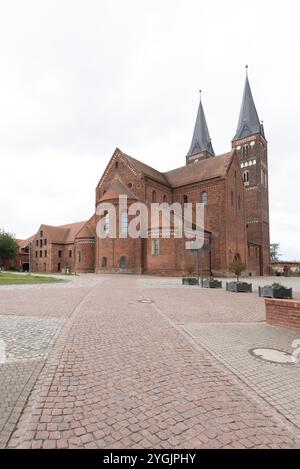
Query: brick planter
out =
(283, 313)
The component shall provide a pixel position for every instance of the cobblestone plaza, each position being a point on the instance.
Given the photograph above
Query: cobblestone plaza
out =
(120, 361)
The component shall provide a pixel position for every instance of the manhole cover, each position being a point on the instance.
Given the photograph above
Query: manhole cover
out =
(273, 356)
(145, 301)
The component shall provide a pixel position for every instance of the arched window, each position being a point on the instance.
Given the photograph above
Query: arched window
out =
(204, 198)
(106, 223)
(104, 262)
(245, 151)
(246, 176)
(153, 196)
(155, 247)
(165, 198)
(124, 223)
(117, 164)
(185, 199)
(123, 262)
(239, 202)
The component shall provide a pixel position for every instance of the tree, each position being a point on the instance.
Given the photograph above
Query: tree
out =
(8, 246)
(274, 252)
(237, 267)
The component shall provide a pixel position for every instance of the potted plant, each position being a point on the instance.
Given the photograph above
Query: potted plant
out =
(238, 267)
(189, 279)
(276, 291)
(211, 283)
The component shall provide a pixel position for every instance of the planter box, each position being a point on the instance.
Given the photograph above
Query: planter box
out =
(190, 281)
(241, 287)
(279, 293)
(212, 284)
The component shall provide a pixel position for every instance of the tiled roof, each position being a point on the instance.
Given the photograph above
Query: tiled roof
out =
(116, 189)
(195, 172)
(147, 170)
(201, 171)
(88, 230)
(64, 233)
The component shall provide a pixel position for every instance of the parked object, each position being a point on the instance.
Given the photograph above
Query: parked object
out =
(239, 287)
(190, 281)
(276, 291)
(211, 283)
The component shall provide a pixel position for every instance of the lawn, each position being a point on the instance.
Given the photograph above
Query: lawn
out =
(8, 278)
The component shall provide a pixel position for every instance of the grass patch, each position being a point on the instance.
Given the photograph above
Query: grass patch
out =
(16, 279)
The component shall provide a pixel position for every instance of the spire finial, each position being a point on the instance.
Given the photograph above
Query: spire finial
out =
(246, 67)
(200, 91)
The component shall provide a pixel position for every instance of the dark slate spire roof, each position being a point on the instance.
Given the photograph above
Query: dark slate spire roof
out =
(201, 140)
(249, 122)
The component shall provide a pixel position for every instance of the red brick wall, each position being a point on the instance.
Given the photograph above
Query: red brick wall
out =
(84, 255)
(235, 214)
(283, 313)
(256, 195)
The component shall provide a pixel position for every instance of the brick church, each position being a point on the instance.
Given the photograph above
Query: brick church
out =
(233, 188)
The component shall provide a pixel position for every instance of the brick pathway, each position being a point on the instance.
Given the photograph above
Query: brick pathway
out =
(276, 383)
(123, 374)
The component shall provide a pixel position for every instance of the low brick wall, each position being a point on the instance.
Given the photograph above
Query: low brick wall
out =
(283, 313)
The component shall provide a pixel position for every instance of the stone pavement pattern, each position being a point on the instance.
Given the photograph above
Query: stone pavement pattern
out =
(27, 343)
(123, 374)
(231, 344)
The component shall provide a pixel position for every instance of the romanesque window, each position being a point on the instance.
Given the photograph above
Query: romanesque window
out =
(123, 262)
(153, 196)
(245, 151)
(41, 243)
(41, 234)
(36, 253)
(165, 198)
(58, 267)
(104, 262)
(79, 256)
(155, 247)
(45, 242)
(37, 242)
(106, 223)
(70, 253)
(45, 254)
(41, 253)
(204, 198)
(117, 164)
(246, 176)
(59, 253)
(185, 199)
(124, 223)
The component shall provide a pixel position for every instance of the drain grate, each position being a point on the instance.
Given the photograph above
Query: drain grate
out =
(273, 356)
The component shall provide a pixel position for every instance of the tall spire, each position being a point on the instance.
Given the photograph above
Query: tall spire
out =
(201, 139)
(249, 123)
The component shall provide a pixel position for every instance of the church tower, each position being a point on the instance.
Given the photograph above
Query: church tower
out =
(201, 147)
(252, 149)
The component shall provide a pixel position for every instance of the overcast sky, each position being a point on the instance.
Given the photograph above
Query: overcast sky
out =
(78, 78)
